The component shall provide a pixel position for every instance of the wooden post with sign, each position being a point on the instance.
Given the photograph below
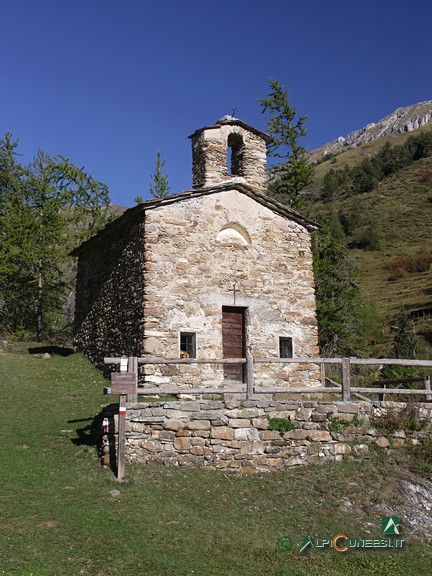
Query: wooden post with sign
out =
(121, 438)
(125, 384)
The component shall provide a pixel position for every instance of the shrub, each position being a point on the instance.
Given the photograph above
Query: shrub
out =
(421, 455)
(338, 423)
(405, 419)
(397, 273)
(402, 265)
(366, 238)
(282, 425)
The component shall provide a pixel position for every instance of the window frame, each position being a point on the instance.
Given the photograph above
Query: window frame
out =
(189, 347)
(285, 340)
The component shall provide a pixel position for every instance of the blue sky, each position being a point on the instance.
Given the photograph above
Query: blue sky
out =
(107, 83)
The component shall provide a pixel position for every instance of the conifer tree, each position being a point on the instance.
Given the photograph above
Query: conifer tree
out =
(406, 345)
(338, 297)
(159, 186)
(46, 209)
(294, 170)
(340, 309)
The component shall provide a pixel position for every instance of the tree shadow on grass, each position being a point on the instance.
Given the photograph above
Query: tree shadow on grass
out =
(94, 435)
(86, 435)
(53, 350)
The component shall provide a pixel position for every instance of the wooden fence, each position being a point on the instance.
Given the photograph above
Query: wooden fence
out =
(251, 390)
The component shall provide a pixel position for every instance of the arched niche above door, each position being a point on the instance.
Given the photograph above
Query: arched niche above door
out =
(233, 233)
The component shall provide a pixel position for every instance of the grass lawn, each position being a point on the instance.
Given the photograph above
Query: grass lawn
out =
(59, 515)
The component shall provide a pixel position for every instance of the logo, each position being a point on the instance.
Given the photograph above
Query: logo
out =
(306, 542)
(391, 525)
(285, 544)
(341, 542)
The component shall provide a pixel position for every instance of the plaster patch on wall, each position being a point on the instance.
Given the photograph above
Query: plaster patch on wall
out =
(233, 233)
(180, 319)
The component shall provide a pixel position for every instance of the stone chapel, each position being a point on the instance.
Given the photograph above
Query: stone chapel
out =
(219, 271)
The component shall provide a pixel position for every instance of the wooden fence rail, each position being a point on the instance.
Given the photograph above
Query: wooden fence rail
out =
(249, 387)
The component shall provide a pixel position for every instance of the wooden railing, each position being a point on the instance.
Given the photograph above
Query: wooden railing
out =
(250, 389)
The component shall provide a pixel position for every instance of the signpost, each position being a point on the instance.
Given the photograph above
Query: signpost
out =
(125, 384)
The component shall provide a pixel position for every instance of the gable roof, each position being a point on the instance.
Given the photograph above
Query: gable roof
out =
(134, 213)
(231, 121)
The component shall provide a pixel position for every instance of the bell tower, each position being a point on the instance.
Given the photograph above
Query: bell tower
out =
(229, 151)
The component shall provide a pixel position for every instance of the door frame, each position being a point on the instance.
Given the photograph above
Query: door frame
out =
(244, 312)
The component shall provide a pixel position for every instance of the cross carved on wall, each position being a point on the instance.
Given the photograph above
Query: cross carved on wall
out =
(234, 291)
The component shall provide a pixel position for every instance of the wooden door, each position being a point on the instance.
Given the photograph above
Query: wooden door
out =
(233, 341)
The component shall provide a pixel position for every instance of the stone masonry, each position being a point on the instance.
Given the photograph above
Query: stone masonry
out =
(210, 147)
(190, 273)
(110, 291)
(170, 267)
(234, 434)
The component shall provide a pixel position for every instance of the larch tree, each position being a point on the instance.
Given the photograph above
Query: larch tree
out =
(46, 209)
(293, 171)
(340, 308)
(343, 316)
(159, 187)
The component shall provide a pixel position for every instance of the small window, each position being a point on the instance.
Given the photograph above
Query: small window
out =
(187, 345)
(285, 347)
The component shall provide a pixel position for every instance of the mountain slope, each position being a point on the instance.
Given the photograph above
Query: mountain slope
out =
(402, 120)
(398, 213)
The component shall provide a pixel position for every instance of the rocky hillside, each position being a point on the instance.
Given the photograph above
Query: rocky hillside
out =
(386, 224)
(400, 121)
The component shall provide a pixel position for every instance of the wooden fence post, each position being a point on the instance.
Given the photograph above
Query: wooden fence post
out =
(322, 369)
(427, 385)
(249, 377)
(346, 379)
(133, 368)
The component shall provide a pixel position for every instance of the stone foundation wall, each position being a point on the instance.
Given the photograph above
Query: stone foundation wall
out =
(235, 434)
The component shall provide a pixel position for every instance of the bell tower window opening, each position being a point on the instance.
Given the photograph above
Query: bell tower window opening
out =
(235, 154)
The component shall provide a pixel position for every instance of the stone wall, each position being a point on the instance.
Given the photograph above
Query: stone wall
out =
(209, 152)
(170, 269)
(235, 434)
(110, 290)
(196, 250)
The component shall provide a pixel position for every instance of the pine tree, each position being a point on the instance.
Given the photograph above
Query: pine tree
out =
(339, 305)
(406, 341)
(294, 171)
(159, 186)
